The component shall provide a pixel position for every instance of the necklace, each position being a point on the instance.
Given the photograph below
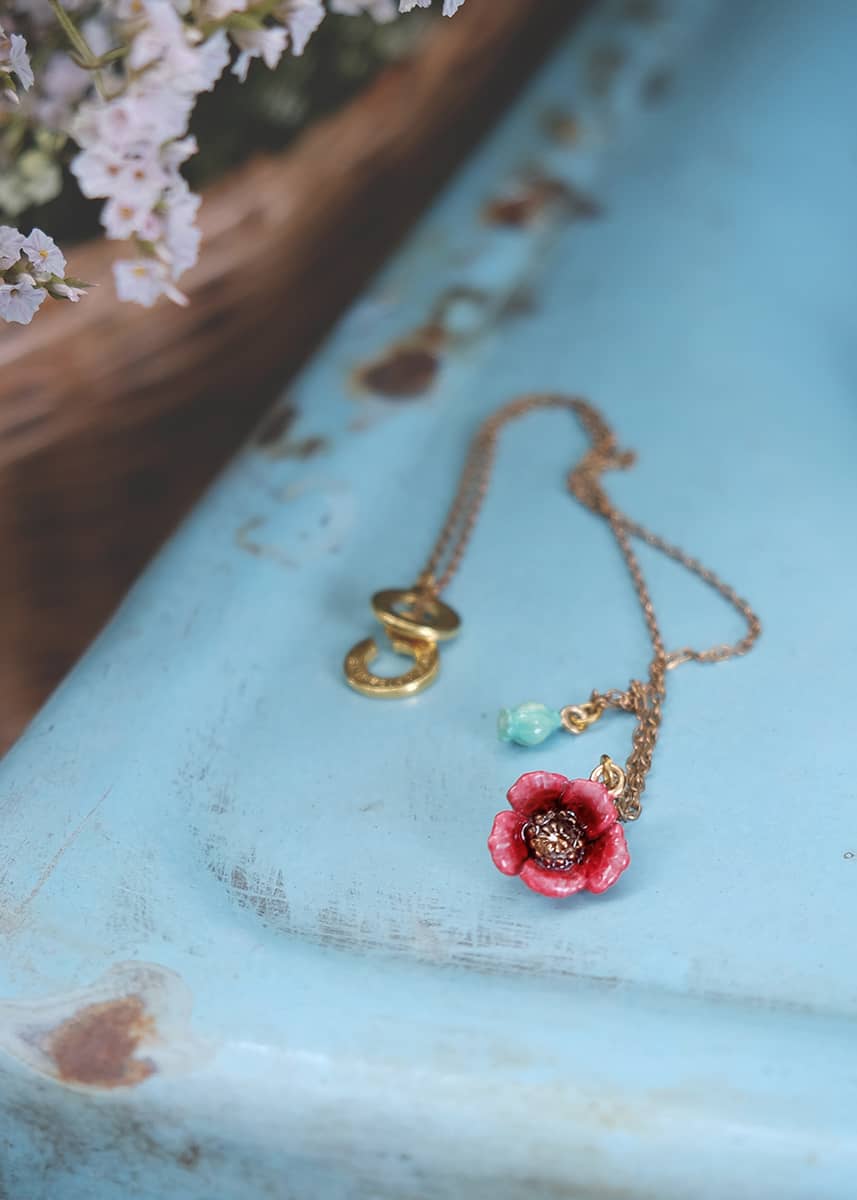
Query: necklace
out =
(560, 835)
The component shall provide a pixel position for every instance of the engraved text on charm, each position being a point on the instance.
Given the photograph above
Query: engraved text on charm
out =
(425, 668)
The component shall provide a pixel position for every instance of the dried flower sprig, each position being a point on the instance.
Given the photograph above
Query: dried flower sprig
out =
(31, 269)
(123, 90)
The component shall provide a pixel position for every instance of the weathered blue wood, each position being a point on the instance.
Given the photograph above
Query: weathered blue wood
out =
(267, 900)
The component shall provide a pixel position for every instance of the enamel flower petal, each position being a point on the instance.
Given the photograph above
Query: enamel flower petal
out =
(536, 790)
(592, 804)
(506, 843)
(607, 859)
(553, 883)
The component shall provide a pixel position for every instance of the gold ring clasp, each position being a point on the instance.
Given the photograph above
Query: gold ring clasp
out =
(577, 718)
(426, 666)
(416, 613)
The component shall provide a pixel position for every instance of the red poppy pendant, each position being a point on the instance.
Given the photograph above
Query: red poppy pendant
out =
(561, 836)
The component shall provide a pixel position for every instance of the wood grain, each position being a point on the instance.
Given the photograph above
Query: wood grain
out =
(113, 418)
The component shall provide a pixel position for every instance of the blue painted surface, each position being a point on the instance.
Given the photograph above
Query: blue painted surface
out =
(348, 1000)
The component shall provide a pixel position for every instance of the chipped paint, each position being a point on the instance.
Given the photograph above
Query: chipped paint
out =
(522, 302)
(657, 85)
(131, 1024)
(562, 127)
(276, 426)
(265, 895)
(644, 12)
(533, 199)
(603, 67)
(274, 436)
(305, 448)
(536, 200)
(405, 371)
(460, 315)
(325, 515)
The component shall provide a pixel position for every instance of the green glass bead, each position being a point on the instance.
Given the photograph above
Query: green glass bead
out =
(527, 724)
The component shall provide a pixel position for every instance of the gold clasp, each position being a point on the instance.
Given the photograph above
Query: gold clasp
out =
(677, 658)
(611, 775)
(578, 717)
(415, 620)
(416, 613)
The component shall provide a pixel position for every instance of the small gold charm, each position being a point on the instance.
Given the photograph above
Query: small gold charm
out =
(415, 621)
(422, 673)
(416, 614)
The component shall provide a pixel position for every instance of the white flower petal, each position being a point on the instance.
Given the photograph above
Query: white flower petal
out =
(141, 280)
(19, 61)
(19, 302)
(301, 18)
(11, 245)
(267, 44)
(44, 254)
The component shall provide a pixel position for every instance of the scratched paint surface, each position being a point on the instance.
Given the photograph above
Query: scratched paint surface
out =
(252, 943)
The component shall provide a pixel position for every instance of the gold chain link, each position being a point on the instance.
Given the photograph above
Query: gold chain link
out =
(643, 699)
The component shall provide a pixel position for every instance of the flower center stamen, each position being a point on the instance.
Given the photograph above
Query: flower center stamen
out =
(555, 839)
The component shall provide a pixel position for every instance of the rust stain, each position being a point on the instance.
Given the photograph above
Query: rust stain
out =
(407, 370)
(131, 1023)
(657, 85)
(319, 533)
(438, 332)
(277, 425)
(245, 542)
(190, 1156)
(562, 127)
(604, 64)
(304, 449)
(274, 437)
(646, 12)
(537, 196)
(462, 313)
(97, 1046)
(522, 302)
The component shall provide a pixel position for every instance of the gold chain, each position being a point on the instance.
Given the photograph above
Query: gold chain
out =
(643, 699)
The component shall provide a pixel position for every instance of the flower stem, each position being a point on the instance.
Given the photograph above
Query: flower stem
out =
(79, 44)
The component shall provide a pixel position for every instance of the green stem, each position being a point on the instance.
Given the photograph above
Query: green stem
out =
(14, 134)
(79, 43)
(114, 55)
